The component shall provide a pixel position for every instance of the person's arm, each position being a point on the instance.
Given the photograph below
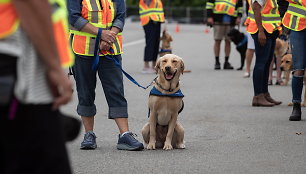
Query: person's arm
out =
(257, 14)
(209, 12)
(239, 8)
(77, 21)
(35, 17)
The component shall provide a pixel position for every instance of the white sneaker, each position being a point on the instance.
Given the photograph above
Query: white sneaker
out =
(246, 75)
(148, 71)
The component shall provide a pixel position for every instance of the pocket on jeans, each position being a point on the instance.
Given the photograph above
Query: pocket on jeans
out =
(6, 89)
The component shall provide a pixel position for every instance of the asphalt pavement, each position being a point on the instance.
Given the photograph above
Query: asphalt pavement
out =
(224, 134)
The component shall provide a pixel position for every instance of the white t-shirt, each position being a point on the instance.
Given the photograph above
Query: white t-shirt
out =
(260, 2)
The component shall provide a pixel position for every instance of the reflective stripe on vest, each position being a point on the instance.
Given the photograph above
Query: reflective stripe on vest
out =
(154, 12)
(271, 20)
(295, 16)
(60, 25)
(99, 13)
(8, 18)
(225, 7)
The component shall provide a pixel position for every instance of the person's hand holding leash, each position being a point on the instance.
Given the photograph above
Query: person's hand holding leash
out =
(108, 36)
(262, 38)
(105, 46)
(238, 21)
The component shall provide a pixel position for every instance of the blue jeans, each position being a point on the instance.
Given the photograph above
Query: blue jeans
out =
(112, 83)
(298, 47)
(264, 55)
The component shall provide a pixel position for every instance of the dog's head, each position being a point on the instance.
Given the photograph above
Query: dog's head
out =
(166, 36)
(169, 66)
(286, 62)
(235, 35)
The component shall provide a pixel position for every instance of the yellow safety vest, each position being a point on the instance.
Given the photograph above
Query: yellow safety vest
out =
(10, 23)
(295, 16)
(154, 12)
(271, 19)
(224, 7)
(84, 43)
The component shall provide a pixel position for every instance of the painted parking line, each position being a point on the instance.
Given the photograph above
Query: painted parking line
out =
(134, 43)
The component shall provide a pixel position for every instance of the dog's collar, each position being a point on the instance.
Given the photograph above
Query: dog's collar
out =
(168, 90)
(244, 40)
(156, 92)
(165, 50)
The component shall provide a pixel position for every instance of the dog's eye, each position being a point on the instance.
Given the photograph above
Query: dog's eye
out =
(164, 61)
(174, 61)
(287, 61)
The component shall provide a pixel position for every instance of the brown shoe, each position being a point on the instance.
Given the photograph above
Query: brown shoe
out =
(260, 100)
(271, 100)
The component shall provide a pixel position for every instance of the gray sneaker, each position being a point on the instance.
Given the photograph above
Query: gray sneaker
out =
(129, 142)
(89, 141)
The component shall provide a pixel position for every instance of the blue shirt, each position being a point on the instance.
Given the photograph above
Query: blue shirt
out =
(77, 21)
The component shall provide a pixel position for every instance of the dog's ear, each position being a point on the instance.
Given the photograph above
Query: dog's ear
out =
(157, 65)
(182, 66)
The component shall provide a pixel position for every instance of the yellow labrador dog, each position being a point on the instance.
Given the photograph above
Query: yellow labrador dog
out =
(165, 102)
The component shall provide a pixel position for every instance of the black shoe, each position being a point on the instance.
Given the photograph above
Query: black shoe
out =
(217, 66)
(227, 65)
(296, 112)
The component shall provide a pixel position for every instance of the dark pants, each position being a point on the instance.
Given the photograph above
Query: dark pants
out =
(298, 47)
(152, 34)
(264, 55)
(32, 142)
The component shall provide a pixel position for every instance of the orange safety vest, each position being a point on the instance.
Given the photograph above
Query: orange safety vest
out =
(271, 20)
(295, 16)
(224, 7)
(154, 12)
(84, 43)
(10, 23)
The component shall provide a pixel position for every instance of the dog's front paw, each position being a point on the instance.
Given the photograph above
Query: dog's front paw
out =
(168, 146)
(151, 146)
(181, 146)
(290, 104)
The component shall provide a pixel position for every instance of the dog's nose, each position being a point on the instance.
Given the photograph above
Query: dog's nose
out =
(168, 68)
(281, 68)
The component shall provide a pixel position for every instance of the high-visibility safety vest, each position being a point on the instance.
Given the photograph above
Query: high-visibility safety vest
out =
(154, 11)
(295, 16)
(270, 16)
(99, 13)
(10, 23)
(224, 7)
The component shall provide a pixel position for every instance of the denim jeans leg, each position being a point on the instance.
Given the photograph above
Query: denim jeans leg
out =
(85, 79)
(262, 63)
(112, 82)
(298, 47)
(270, 54)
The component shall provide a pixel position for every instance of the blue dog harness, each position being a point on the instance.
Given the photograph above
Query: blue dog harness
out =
(178, 93)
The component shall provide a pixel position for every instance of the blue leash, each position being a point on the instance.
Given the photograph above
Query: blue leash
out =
(117, 63)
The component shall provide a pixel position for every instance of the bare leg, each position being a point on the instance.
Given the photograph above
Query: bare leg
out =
(146, 64)
(271, 70)
(278, 70)
(88, 123)
(217, 47)
(249, 58)
(227, 48)
(122, 124)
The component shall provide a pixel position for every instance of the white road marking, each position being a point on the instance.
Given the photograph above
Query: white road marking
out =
(134, 43)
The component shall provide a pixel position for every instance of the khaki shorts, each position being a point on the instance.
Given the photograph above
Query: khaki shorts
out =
(220, 31)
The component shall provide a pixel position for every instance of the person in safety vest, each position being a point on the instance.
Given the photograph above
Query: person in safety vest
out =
(151, 14)
(295, 20)
(96, 38)
(33, 85)
(223, 15)
(264, 23)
